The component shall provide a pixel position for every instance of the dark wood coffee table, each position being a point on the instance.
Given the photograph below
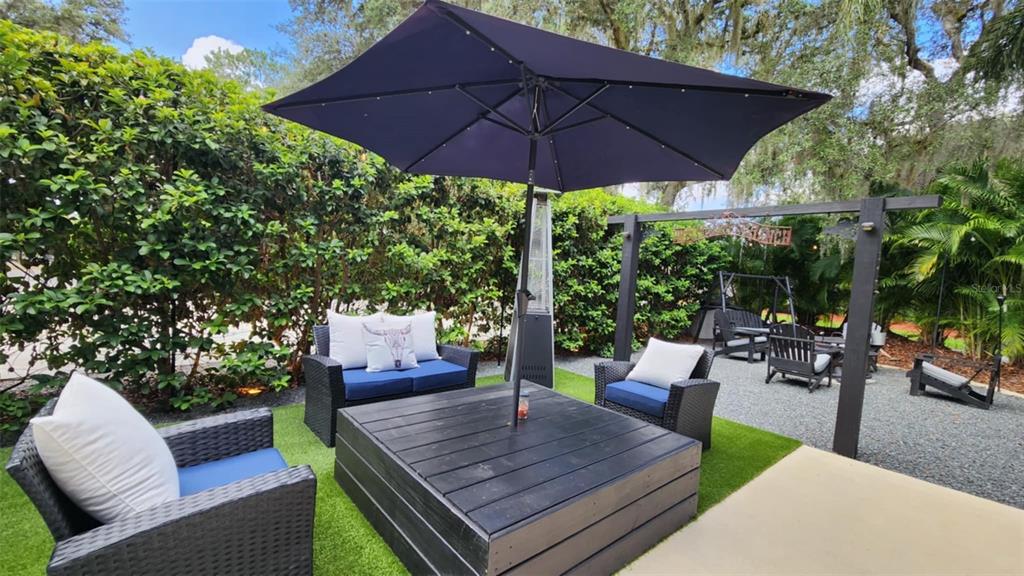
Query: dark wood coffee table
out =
(453, 489)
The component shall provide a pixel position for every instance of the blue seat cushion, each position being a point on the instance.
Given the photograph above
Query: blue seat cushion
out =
(360, 384)
(208, 475)
(436, 374)
(638, 396)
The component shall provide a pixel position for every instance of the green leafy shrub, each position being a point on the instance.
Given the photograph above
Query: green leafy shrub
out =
(161, 231)
(671, 280)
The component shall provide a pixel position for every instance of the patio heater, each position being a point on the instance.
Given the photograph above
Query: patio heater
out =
(539, 344)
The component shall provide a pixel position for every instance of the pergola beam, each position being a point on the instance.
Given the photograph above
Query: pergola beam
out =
(867, 254)
(840, 207)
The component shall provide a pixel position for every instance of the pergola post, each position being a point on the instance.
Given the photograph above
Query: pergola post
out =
(866, 257)
(631, 238)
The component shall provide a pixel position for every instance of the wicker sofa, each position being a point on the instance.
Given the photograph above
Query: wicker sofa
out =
(326, 378)
(687, 407)
(259, 525)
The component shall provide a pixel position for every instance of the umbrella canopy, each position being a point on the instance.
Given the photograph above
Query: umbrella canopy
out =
(455, 92)
(452, 92)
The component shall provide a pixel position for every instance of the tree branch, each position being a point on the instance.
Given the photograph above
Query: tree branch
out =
(618, 34)
(902, 12)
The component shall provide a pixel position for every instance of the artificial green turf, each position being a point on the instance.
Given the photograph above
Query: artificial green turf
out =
(344, 542)
(25, 543)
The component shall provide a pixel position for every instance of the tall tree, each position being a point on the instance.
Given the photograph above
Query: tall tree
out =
(254, 69)
(81, 20)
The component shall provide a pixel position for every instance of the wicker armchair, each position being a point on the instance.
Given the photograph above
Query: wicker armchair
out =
(690, 405)
(325, 383)
(260, 525)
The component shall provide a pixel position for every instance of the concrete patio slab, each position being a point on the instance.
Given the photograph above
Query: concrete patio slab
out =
(818, 513)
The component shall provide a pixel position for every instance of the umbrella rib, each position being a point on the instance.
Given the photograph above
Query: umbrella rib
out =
(389, 94)
(492, 109)
(574, 109)
(456, 133)
(782, 92)
(645, 133)
(502, 124)
(551, 142)
(472, 31)
(568, 127)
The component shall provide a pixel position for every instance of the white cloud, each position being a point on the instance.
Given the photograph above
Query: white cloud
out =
(883, 83)
(195, 57)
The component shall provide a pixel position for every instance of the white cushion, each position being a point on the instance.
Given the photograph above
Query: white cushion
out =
(665, 362)
(877, 335)
(746, 340)
(103, 454)
(424, 334)
(943, 375)
(389, 346)
(821, 362)
(347, 344)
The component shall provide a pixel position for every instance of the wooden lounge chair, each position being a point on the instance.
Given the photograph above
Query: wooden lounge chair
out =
(792, 352)
(728, 333)
(927, 374)
(875, 344)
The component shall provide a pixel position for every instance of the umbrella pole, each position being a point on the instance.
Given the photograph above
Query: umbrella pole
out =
(523, 293)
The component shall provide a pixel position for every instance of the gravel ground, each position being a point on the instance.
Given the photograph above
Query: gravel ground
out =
(976, 451)
(980, 452)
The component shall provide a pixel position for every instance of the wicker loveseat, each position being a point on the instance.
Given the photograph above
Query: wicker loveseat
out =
(261, 524)
(686, 408)
(330, 386)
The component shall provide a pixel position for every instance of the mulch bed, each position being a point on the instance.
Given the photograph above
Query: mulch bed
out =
(900, 352)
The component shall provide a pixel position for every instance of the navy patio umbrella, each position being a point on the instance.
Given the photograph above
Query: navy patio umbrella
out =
(455, 92)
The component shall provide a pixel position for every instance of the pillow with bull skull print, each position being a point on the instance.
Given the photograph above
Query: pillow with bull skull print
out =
(389, 346)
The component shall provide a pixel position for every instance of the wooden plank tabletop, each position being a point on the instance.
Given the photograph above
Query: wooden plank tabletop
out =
(462, 445)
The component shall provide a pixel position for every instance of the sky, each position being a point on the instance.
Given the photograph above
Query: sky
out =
(189, 29)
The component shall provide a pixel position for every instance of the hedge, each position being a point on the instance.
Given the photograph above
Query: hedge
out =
(148, 210)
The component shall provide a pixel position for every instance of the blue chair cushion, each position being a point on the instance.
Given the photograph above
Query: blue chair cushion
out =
(436, 374)
(208, 475)
(638, 396)
(360, 384)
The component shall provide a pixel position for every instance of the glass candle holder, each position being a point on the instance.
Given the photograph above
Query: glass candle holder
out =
(524, 405)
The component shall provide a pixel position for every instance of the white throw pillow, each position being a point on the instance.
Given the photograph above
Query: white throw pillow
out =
(389, 346)
(103, 454)
(665, 362)
(347, 343)
(424, 333)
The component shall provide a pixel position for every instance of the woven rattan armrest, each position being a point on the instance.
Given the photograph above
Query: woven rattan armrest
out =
(260, 525)
(220, 436)
(465, 357)
(607, 372)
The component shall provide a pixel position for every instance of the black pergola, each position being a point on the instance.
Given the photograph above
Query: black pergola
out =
(867, 253)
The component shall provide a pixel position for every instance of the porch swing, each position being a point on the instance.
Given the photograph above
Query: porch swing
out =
(927, 374)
